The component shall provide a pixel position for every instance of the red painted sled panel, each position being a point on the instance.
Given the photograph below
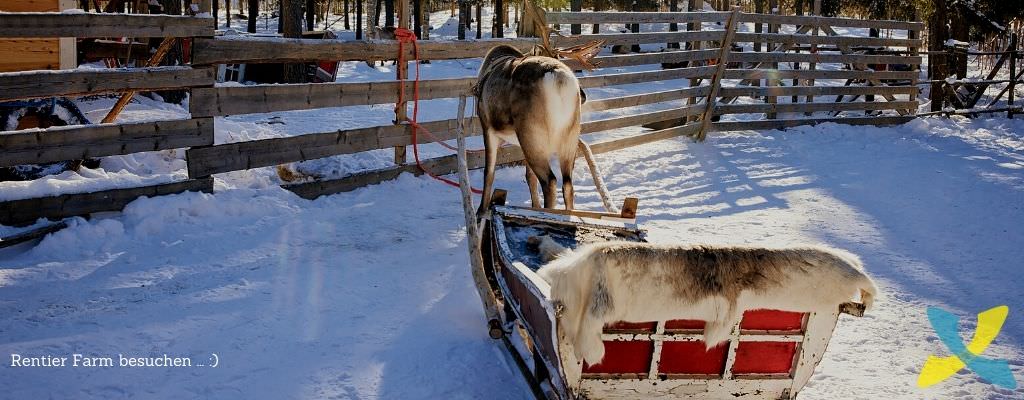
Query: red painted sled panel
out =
(692, 358)
(764, 358)
(772, 320)
(682, 325)
(623, 357)
(631, 327)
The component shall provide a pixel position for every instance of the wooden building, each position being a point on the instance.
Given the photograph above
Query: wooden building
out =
(25, 54)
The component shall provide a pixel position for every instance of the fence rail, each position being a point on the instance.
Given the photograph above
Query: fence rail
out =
(79, 82)
(705, 60)
(84, 25)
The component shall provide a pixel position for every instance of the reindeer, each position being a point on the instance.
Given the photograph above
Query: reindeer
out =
(534, 101)
(378, 33)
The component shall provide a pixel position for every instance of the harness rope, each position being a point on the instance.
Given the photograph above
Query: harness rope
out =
(404, 36)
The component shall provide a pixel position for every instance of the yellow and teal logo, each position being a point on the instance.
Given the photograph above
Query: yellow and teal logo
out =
(947, 326)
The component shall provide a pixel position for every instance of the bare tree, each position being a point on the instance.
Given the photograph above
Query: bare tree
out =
(291, 24)
(254, 12)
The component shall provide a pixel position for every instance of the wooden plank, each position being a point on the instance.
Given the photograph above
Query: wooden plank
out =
(643, 98)
(438, 166)
(647, 58)
(648, 76)
(217, 159)
(816, 74)
(93, 25)
(79, 82)
(223, 50)
(631, 141)
(723, 109)
(831, 21)
(789, 123)
(815, 90)
(29, 54)
(633, 17)
(33, 234)
(612, 39)
(30, 6)
(80, 142)
(643, 118)
(823, 58)
(24, 212)
(824, 40)
(233, 100)
(206, 161)
(448, 164)
(716, 80)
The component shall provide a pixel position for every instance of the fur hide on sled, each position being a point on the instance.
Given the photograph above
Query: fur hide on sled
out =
(607, 282)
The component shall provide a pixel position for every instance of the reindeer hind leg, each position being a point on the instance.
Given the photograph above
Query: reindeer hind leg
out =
(536, 162)
(567, 161)
(490, 162)
(532, 183)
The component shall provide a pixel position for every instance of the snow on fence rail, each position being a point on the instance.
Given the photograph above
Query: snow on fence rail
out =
(699, 59)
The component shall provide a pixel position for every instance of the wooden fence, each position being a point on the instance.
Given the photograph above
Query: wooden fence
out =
(722, 81)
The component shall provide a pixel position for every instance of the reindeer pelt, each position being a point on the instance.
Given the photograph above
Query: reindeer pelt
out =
(629, 281)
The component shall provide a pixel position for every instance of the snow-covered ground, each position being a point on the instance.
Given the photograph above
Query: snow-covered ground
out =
(367, 294)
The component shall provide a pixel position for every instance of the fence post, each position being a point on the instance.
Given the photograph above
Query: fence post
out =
(816, 10)
(402, 73)
(693, 6)
(716, 79)
(913, 52)
(1013, 74)
(773, 9)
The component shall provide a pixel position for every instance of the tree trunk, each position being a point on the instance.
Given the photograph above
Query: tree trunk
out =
(310, 14)
(389, 12)
(463, 19)
(417, 10)
(937, 35)
(673, 6)
(227, 13)
(216, 10)
(281, 17)
(598, 6)
(635, 28)
(958, 29)
(479, 19)
(254, 12)
(359, 19)
(378, 6)
(499, 19)
(576, 6)
(345, 9)
(291, 25)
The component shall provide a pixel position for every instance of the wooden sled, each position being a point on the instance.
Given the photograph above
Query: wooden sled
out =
(771, 355)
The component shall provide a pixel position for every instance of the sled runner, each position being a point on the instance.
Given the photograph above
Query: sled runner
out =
(771, 353)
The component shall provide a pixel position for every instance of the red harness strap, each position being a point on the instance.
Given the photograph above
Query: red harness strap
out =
(406, 36)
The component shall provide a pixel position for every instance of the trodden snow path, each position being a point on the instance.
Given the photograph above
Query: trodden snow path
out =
(367, 295)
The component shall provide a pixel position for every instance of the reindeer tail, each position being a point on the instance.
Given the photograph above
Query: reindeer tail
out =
(868, 292)
(606, 198)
